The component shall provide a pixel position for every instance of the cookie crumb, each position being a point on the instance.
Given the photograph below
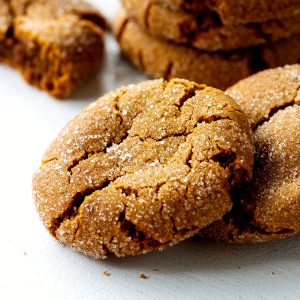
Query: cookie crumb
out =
(106, 274)
(143, 276)
(273, 273)
(25, 253)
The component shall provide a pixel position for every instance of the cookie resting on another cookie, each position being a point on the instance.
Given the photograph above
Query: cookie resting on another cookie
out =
(232, 12)
(55, 44)
(206, 33)
(159, 58)
(269, 208)
(144, 167)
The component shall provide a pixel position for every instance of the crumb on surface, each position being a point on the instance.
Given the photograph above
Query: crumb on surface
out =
(106, 274)
(143, 276)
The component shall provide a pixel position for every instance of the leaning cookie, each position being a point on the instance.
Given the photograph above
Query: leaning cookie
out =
(206, 33)
(144, 167)
(55, 44)
(232, 12)
(159, 58)
(269, 208)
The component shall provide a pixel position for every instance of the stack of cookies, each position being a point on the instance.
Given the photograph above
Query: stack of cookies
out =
(213, 42)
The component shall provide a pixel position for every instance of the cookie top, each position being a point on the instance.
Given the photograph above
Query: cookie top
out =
(269, 207)
(160, 58)
(207, 32)
(143, 167)
(236, 11)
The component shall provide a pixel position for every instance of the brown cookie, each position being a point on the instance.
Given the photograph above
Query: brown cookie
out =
(269, 208)
(54, 44)
(159, 58)
(206, 33)
(144, 167)
(231, 12)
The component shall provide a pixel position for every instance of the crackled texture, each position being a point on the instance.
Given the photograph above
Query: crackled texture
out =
(159, 58)
(144, 167)
(269, 208)
(206, 34)
(237, 11)
(54, 44)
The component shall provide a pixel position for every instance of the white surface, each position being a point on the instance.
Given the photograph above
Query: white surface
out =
(34, 266)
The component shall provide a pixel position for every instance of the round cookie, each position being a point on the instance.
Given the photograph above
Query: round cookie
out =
(159, 58)
(232, 12)
(206, 33)
(269, 207)
(144, 167)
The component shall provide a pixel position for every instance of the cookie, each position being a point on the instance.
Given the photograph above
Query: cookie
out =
(54, 44)
(143, 167)
(269, 208)
(206, 33)
(231, 12)
(159, 58)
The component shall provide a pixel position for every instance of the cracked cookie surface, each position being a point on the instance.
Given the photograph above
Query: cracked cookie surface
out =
(232, 12)
(206, 33)
(55, 44)
(159, 58)
(269, 208)
(143, 167)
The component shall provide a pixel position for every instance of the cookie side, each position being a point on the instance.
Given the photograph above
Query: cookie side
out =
(206, 33)
(237, 12)
(269, 208)
(159, 58)
(111, 184)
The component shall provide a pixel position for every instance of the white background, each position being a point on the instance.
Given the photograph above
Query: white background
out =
(34, 266)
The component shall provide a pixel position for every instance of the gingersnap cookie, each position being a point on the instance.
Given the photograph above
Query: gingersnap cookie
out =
(206, 33)
(159, 58)
(143, 167)
(231, 12)
(55, 44)
(269, 208)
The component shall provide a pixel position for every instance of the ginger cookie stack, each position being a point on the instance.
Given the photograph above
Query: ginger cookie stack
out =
(212, 42)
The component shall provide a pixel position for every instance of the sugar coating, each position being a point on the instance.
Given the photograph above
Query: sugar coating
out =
(143, 167)
(206, 32)
(234, 12)
(54, 44)
(221, 69)
(269, 208)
